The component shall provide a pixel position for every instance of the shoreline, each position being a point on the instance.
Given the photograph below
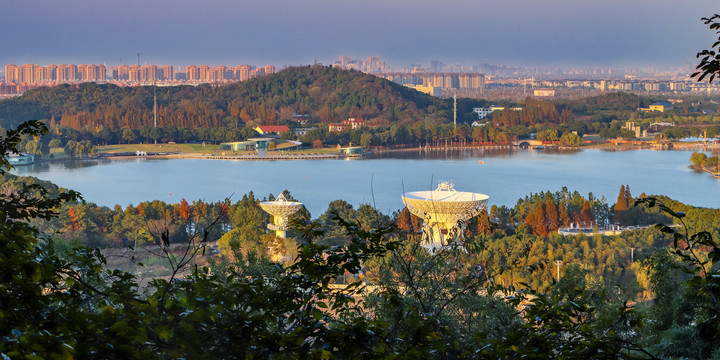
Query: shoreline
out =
(224, 157)
(715, 174)
(339, 156)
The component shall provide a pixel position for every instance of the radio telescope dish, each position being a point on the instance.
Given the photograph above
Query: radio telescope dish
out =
(442, 209)
(281, 209)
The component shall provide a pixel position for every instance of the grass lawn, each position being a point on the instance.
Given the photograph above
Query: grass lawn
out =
(183, 148)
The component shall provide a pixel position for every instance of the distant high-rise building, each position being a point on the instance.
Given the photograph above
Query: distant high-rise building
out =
(217, 73)
(372, 64)
(461, 81)
(40, 74)
(257, 72)
(203, 72)
(134, 74)
(436, 66)
(121, 72)
(94, 73)
(242, 72)
(167, 73)
(192, 73)
(477, 81)
(27, 74)
(72, 72)
(61, 73)
(11, 73)
(82, 71)
(149, 73)
(52, 72)
(32, 74)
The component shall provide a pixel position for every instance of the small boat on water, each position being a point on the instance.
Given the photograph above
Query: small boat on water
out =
(19, 159)
(539, 147)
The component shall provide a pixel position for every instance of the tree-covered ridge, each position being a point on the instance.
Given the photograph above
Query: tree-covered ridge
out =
(327, 94)
(334, 94)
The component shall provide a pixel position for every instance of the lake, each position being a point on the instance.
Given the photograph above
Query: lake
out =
(504, 175)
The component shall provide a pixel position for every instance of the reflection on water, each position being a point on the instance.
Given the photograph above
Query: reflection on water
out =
(46, 166)
(460, 154)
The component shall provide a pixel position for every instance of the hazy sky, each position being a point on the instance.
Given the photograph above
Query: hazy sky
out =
(280, 32)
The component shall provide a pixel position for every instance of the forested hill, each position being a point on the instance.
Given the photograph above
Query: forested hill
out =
(325, 94)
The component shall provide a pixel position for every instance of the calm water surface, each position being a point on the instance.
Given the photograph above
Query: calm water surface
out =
(505, 176)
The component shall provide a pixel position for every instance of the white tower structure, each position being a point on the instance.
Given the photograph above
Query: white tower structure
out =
(281, 209)
(442, 209)
(454, 111)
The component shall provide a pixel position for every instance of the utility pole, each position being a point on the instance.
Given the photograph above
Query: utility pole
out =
(632, 254)
(557, 267)
(155, 107)
(455, 110)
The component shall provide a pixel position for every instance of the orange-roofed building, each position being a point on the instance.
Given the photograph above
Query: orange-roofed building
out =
(272, 129)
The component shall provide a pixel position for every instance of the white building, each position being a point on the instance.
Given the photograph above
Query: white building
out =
(482, 112)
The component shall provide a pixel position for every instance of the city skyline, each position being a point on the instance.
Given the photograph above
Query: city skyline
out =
(436, 80)
(552, 33)
(369, 64)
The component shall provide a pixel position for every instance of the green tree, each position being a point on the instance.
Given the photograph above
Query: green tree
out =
(33, 147)
(32, 274)
(685, 280)
(570, 139)
(55, 143)
(334, 233)
(366, 139)
(129, 135)
(547, 135)
(709, 65)
(698, 159)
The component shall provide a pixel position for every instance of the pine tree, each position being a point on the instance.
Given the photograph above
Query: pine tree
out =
(538, 220)
(553, 218)
(563, 215)
(586, 214)
(184, 210)
(621, 206)
(628, 197)
(484, 226)
(406, 221)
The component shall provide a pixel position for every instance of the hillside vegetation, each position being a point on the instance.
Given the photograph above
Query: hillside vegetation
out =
(323, 93)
